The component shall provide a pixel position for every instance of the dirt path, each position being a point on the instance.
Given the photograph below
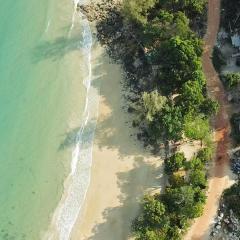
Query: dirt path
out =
(219, 179)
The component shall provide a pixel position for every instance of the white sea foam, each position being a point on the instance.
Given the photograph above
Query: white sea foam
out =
(47, 27)
(69, 207)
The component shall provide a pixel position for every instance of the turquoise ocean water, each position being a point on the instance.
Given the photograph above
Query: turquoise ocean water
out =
(42, 99)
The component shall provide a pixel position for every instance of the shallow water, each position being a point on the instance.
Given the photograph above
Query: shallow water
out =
(42, 99)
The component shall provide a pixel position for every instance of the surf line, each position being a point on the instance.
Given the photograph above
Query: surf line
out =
(47, 27)
(77, 183)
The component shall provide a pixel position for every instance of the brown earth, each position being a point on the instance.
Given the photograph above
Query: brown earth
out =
(219, 175)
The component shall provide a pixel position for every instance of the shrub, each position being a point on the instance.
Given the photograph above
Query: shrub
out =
(209, 107)
(195, 163)
(196, 128)
(176, 180)
(181, 201)
(175, 162)
(198, 178)
(231, 79)
(152, 214)
(205, 154)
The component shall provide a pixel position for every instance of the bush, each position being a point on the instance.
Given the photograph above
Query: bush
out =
(176, 180)
(196, 128)
(198, 178)
(153, 222)
(205, 154)
(209, 107)
(152, 214)
(231, 79)
(200, 195)
(195, 163)
(175, 162)
(181, 201)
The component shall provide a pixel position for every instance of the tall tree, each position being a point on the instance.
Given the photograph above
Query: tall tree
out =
(180, 62)
(137, 10)
(151, 104)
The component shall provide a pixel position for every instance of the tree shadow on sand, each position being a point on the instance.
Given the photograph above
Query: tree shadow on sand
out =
(113, 130)
(117, 220)
(75, 135)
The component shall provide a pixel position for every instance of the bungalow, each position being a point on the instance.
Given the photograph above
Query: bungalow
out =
(236, 40)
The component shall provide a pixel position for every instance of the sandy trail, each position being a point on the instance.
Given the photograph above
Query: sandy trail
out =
(122, 170)
(220, 175)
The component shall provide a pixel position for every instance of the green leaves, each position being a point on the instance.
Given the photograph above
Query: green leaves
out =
(164, 26)
(152, 104)
(209, 107)
(180, 62)
(137, 10)
(172, 122)
(231, 79)
(191, 96)
(153, 211)
(198, 178)
(174, 163)
(196, 127)
(182, 201)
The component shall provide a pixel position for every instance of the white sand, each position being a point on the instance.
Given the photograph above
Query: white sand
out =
(122, 169)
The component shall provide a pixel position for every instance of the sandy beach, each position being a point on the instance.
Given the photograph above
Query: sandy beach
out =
(122, 169)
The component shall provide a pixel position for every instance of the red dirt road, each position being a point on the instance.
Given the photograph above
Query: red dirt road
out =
(219, 179)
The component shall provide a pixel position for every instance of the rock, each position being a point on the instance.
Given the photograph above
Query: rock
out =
(230, 97)
(118, 35)
(218, 227)
(137, 63)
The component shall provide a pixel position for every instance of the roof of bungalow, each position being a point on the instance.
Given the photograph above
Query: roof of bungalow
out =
(235, 40)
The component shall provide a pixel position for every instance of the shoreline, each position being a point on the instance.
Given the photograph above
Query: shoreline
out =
(121, 167)
(77, 182)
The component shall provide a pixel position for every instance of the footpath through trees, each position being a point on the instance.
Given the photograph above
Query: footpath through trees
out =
(219, 175)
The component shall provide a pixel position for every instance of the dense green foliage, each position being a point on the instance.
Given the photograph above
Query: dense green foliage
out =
(197, 128)
(205, 154)
(209, 107)
(191, 7)
(231, 79)
(163, 29)
(175, 106)
(174, 163)
(167, 216)
(137, 10)
(152, 103)
(198, 178)
(164, 26)
(180, 62)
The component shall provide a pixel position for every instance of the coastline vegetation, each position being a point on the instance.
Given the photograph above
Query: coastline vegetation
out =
(177, 107)
(159, 45)
(168, 215)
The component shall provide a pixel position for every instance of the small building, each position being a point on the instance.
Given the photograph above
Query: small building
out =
(235, 40)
